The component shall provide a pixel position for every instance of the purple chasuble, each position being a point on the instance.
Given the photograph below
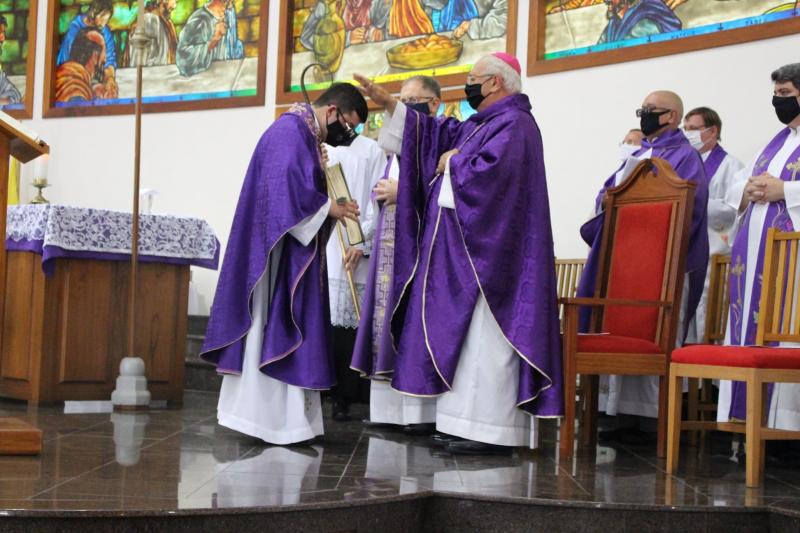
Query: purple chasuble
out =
(777, 217)
(373, 353)
(713, 161)
(284, 185)
(497, 241)
(687, 164)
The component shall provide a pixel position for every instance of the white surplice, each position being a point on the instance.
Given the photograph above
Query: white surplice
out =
(481, 405)
(363, 164)
(254, 403)
(721, 218)
(784, 411)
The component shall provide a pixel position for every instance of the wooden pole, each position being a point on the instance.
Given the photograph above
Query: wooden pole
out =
(137, 151)
(353, 292)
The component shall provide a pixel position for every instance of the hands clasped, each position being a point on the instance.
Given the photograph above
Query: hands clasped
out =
(763, 189)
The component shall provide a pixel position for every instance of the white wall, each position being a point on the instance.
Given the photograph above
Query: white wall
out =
(197, 160)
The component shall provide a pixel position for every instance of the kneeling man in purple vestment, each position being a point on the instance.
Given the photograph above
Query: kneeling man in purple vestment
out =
(474, 297)
(269, 327)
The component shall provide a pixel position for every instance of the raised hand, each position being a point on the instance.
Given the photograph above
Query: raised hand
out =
(375, 92)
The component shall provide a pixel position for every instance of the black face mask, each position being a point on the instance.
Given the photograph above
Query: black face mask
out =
(420, 107)
(338, 135)
(474, 96)
(649, 121)
(786, 107)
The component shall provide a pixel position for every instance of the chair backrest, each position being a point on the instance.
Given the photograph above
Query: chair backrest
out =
(718, 299)
(643, 252)
(778, 317)
(568, 274)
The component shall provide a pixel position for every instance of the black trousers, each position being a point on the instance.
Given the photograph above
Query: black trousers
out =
(349, 387)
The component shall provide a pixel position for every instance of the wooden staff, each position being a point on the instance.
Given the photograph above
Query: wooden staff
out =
(353, 292)
(138, 41)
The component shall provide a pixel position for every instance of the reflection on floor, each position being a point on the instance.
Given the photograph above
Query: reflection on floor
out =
(181, 459)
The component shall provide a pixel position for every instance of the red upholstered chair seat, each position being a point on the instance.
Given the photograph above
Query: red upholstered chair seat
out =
(615, 344)
(738, 356)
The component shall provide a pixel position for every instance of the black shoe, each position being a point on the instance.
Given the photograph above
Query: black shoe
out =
(341, 412)
(443, 439)
(471, 447)
(420, 429)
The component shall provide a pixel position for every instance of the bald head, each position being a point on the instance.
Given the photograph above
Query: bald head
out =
(669, 106)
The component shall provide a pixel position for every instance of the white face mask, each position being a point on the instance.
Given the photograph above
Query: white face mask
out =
(695, 139)
(627, 150)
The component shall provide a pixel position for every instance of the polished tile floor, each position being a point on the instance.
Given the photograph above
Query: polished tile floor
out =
(181, 459)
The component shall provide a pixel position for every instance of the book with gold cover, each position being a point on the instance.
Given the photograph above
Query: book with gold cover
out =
(340, 192)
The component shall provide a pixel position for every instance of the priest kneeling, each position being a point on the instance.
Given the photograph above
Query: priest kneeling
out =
(475, 312)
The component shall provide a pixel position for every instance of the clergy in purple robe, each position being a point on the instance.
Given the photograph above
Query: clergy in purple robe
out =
(766, 194)
(475, 315)
(660, 115)
(703, 127)
(268, 333)
(374, 354)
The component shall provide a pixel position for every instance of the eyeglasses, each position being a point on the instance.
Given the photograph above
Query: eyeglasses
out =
(417, 100)
(471, 79)
(644, 110)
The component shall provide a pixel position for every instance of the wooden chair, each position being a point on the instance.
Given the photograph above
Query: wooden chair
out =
(568, 274)
(637, 294)
(699, 399)
(757, 366)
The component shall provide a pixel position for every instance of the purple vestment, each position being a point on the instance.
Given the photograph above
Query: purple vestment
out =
(687, 164)
(713, 161)
(284, 185)
(373, 353)
(497, 241)
(777, 217)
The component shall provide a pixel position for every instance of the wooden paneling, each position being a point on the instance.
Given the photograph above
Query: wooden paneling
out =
(84, 322)
(65, 335)
(14, 354)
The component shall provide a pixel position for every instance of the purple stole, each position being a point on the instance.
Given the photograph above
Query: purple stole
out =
(373, 353)
(713, 161)
(776, 217)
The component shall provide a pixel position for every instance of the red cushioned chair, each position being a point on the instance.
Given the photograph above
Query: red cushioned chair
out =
(755, 365)
(638, 288)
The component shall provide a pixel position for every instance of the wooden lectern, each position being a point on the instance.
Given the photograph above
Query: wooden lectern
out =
(16, 436)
